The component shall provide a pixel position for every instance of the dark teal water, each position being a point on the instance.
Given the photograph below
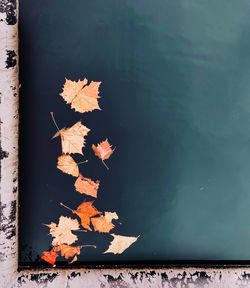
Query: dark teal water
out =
(176, 104)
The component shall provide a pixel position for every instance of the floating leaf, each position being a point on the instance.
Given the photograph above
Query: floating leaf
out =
(62, 232)
(84, 211)
(49, 256)
(73, 260)
(86, 186)
(68, 251)
(103, 150)
(73, 138)
(104, 223)
(67, 164)
(82, 97)
(120, 243)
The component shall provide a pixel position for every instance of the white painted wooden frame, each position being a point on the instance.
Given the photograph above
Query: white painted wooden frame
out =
(10, 276)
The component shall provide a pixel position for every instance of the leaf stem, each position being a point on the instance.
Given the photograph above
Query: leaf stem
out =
(67, 207)
(82, 162)
(81, 246)
(53, 118)
(105, 164)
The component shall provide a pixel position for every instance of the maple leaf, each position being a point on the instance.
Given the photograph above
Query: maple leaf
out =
(86, 186)
(73, 138)
(82, 97)
(49, 256)
(120, 243)
(103, 151)
(66, 164)
(68, 251)
(62, 232)
(104, 223)
(84, 211)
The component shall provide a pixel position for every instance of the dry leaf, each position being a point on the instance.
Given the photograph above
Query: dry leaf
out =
(104, 223)
(62, 233)
(67, 164)
(103, 151)
(111, 216)
(86, 186)
(73, 260)
(82, 97)
(68, 251)
(85, 211)
(120, 244)
(71, 89)
(73, 138)
(49, 256)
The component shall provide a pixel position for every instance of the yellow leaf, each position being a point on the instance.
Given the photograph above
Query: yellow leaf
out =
(67, 164)
(82, 97)
(61, 232)
(111, 216)
(73, 138)
(120, 243)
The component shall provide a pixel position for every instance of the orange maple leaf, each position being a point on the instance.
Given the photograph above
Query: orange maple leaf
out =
(68, 251)
(82, 97)
(49, 256)
(86, 186)
(103, 151)
(104, 223)
(84, 211)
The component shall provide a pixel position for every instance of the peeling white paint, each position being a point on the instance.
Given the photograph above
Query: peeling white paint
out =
(67, 278)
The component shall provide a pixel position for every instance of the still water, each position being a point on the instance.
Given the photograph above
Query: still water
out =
(175, 104)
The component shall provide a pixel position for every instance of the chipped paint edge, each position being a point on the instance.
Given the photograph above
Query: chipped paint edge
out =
(10, 277)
